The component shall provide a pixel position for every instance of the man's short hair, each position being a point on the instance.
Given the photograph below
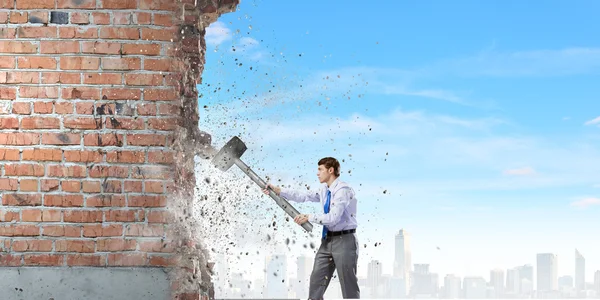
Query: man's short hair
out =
(330, 162)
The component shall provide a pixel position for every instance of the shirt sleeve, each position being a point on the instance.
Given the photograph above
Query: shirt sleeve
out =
(298, 196)
(340, 201)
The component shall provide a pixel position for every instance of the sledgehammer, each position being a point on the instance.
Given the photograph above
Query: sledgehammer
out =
(230, 155)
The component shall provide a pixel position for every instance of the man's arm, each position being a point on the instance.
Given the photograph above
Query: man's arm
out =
(293, 195)
(338, 205)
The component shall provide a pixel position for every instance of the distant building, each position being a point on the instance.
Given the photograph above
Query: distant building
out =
(452, 288)
(547, 273)
(579, 272)
(474, 288)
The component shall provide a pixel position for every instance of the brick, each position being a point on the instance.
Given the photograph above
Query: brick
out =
(112, 186)
(22, 77)
(144, 79)
(18, 47)
(168, 124)
(121, 18)
(142, 18)
(80, 18)
(102, 78)
(77, 33)
(42, 154)
(49, 185)
(9, 123)
(4, 18)
(85, 108)
(59, 17)
(77, 216)
(157, 246)
(9, 216)
(159, 64)
(70, 186)
(76, 171)
(146, 140)
(147, 201)
(100, 18)
(9, 184)
(22, 199)
(141, 49)
(61, 77)
(7, 33)
(10, 260)
(21, 108)
(61, 138)
(101, 48)
(84, 156)
(32, 62)
(40, 123)
(59, 47)
(116, 245)
(51, 215)
(63, 200)
(36, 32)
(133, 186)
(164, 34)
(9, 154)
(90, 186)
(102, 230)
(7, 62)
(158, 217)
(28, 185)
(79, 4)
(31, 215)
(7, 3)
(63, 107)
(19, 138)
(43, 260)
(127, 259)
(34, 4)
(98, 171)
(143, 230)
(124, 123)
(121, 216)
(32, 246)
(121, 63)
(79, 63)
(103, 140)
(160, 95)
(118, 4)
(163, 20)
(43, 107)
(39, 17)
(17, 17)
(61, 230)
(82, 93)
(126, 156)
(157, 5)
(120, 33)
(26, 230)
(38, 92)
(106, 201)
(82, 123)
(96, 260)
(154, 187)
(24, 170)
(8, 93)
(151, 172)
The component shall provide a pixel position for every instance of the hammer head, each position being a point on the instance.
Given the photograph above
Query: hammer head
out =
(227, 155)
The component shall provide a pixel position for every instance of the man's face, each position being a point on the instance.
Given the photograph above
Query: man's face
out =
(323, 174)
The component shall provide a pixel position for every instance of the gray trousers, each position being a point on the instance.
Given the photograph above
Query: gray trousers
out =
(336, 253)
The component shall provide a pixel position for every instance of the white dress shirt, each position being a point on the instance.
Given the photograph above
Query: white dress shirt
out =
(342, 205)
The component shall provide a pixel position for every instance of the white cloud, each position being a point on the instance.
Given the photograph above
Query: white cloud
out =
(586, 202)
(247, 43)
(217, 33)
(593, 121)
(520, 171)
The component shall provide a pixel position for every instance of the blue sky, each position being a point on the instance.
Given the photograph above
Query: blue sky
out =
(480, 120)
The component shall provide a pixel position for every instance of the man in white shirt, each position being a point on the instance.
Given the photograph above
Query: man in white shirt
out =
(339, 245)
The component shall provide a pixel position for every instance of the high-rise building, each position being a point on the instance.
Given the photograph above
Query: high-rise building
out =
(424, 283)
(513, 282)
(474, 288)
(597, 281)
(374, 273)
(403, 255)
(276, 276)
(565, 283)
(547, 272)
(304, 268)
(579, 271)
(497, 282)
(526, 282)
(452, 287)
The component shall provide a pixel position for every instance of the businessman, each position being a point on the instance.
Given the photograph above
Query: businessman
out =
(339, 245)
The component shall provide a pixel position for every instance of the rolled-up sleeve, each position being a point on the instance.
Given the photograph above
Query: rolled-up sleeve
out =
(297, 196)
(340, 201)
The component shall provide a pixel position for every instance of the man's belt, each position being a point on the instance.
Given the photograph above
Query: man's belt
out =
(336, 233)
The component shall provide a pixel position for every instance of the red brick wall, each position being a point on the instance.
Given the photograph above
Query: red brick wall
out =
(98, 121)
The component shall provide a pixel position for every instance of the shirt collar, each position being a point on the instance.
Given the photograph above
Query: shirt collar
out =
(333, 185)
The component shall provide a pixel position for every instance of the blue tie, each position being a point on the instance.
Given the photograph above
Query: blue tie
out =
(326, 211)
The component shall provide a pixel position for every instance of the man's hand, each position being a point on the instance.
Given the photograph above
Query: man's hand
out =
(301, 219)
(275, 189)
